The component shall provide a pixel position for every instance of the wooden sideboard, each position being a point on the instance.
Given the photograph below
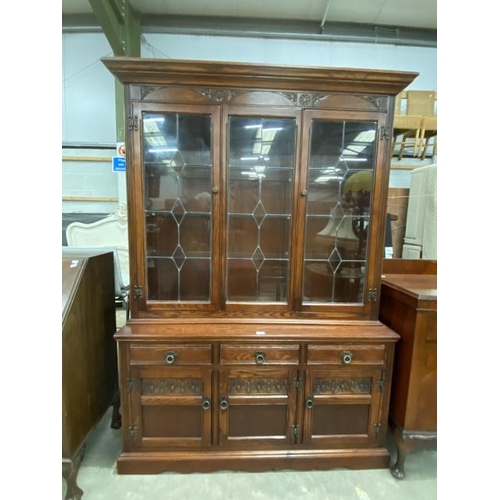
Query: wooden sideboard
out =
(408, 305)
(89, 358)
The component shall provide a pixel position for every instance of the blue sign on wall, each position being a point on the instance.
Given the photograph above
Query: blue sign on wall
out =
(119, 164)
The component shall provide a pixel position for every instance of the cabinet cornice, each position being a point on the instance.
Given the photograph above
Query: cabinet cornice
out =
(130, 70)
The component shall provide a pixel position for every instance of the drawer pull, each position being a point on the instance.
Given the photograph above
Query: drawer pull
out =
(170, 357)
(224, 404)
(309, 402)
(346, 357)
(260, 357)
(206, 404)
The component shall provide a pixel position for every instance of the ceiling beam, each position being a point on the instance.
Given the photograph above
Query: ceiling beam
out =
(120, 24)
(122, 28)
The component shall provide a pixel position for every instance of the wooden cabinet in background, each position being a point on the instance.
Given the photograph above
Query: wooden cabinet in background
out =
(89, 359)
(408, 305)
(257, 200)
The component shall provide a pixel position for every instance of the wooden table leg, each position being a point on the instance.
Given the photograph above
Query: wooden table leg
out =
(403, 447)
(405, 442)
(70, 470)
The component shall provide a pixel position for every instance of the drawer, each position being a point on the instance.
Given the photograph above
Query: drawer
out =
(171, 354)
(346, 354)
(255, 354)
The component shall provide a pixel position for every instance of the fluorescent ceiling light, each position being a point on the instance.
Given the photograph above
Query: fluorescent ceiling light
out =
(163, 150)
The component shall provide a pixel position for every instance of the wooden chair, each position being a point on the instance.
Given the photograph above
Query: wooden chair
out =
(408, 124)
(428, 132)
(409, 128)
(420, 102)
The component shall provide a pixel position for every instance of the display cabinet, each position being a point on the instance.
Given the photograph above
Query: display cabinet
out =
(256, 207)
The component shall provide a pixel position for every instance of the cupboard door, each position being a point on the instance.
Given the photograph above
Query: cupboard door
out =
(170, 407)
(341, 407)
(257, 407)
(177, 192)
(341, 158)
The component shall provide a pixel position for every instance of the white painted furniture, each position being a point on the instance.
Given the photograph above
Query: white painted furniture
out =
(110, 233)
(420, 240)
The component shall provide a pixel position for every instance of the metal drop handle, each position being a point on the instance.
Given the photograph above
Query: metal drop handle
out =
(224, 404)
(309, 402)
(346, 357)
(170, 357)
(206, 404)
(260, 357)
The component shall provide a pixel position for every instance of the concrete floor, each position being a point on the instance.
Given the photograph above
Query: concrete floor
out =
(98, 479)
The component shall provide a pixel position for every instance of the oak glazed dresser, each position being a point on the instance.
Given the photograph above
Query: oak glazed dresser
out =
(256, 209)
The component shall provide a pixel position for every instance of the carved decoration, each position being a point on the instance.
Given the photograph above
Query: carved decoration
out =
(375, 101)
(161, 387)
(342, 386)
(147, 89)
(219, 95)
(258, 386)
(304, 99)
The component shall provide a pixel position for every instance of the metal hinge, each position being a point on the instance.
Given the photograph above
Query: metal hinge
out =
(385, 133)
(132, 433)
(137, 292)
(381, 384)
(298, 384)
(376, 429)
(133, 122)
(295, 431)
(372, 294)
(131, 384)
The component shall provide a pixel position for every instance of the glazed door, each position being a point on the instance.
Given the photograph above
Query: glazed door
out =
(257, 407)
(170, 407)
(260, 166)
(176, 197)
(340, 199)
(341, 407)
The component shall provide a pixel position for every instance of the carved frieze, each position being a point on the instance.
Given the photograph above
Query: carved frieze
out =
(298, 99)
(258, 386)
(342, 386)
(163, 387)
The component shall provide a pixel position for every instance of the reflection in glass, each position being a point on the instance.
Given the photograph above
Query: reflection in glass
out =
(340, 179)
(177, 160)
(260, 173)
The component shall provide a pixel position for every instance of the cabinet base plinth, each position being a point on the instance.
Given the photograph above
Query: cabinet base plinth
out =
(258, 461)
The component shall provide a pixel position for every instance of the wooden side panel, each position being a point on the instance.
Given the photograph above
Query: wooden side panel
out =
(89, 361)
(414, 392)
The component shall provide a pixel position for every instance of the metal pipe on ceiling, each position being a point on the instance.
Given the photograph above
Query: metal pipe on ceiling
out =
(322, 27)
(266, 28)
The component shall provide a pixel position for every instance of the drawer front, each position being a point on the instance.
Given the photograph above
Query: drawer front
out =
(171, 354)
(254, 354)
(346, 355)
